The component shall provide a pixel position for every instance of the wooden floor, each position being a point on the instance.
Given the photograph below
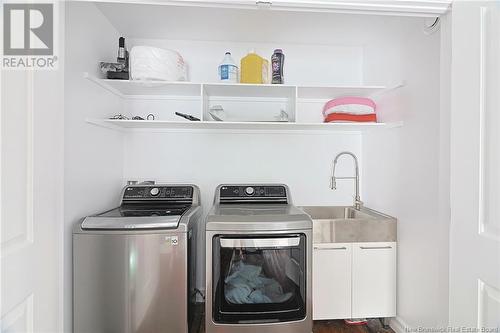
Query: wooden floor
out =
(330, 326)
(338, 326)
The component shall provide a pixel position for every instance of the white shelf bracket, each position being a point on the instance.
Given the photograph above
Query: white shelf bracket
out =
(388, 90)
(102, 84)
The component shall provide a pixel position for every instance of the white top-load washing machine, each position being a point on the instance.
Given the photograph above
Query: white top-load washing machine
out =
(133, 266)
(258, 261)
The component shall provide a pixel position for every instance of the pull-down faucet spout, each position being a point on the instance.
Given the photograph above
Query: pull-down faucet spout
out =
(333, 181)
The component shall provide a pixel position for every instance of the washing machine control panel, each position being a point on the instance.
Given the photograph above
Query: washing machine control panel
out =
(250, 191)
(157, 192)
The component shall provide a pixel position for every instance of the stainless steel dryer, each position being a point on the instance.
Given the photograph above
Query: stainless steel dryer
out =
(133, 266)
(258, 265)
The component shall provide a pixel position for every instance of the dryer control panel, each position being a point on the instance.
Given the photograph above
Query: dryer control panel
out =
(253, 193)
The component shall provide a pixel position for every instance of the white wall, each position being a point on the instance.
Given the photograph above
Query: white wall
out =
(405, 176)
(327, 64)
(444, 159)
(93, 155)
(303, 161)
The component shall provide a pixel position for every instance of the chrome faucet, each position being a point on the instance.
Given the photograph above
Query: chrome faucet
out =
(333, 182)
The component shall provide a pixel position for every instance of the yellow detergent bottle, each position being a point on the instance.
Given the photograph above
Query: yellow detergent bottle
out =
(253, 68)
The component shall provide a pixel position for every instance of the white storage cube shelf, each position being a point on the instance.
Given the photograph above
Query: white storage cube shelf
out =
(246, 106)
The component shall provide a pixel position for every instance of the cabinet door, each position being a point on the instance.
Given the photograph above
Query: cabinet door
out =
(332, 281)
(374, 280)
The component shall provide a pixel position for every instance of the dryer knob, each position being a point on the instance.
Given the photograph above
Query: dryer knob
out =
(154, 191)
(249, 190)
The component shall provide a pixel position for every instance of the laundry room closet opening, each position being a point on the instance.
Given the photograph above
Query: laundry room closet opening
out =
(322, 49)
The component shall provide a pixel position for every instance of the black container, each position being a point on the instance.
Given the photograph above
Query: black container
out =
(277, 63)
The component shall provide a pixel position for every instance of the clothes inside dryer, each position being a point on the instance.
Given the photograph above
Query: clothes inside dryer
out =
(258, 277)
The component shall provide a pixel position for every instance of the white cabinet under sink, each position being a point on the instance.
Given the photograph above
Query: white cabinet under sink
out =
(354, 280)
(332, 281)
(373, 280)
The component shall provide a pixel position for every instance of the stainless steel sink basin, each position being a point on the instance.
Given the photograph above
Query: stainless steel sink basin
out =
(344, 224)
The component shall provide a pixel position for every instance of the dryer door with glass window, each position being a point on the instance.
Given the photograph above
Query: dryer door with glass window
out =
(259, 278)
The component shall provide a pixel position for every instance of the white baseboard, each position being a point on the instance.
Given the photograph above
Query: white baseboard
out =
(398, 325)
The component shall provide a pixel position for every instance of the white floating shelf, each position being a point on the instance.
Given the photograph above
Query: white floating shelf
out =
(120, 124)
(148, 89)
(324, 92)
(164, 89)
(246, 94)
(155, 88)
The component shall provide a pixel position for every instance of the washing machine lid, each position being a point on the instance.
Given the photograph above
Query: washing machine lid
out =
(130, 223)
(146, 206)
(126, 218)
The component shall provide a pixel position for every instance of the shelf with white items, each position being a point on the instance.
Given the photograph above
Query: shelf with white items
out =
(125, 125)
